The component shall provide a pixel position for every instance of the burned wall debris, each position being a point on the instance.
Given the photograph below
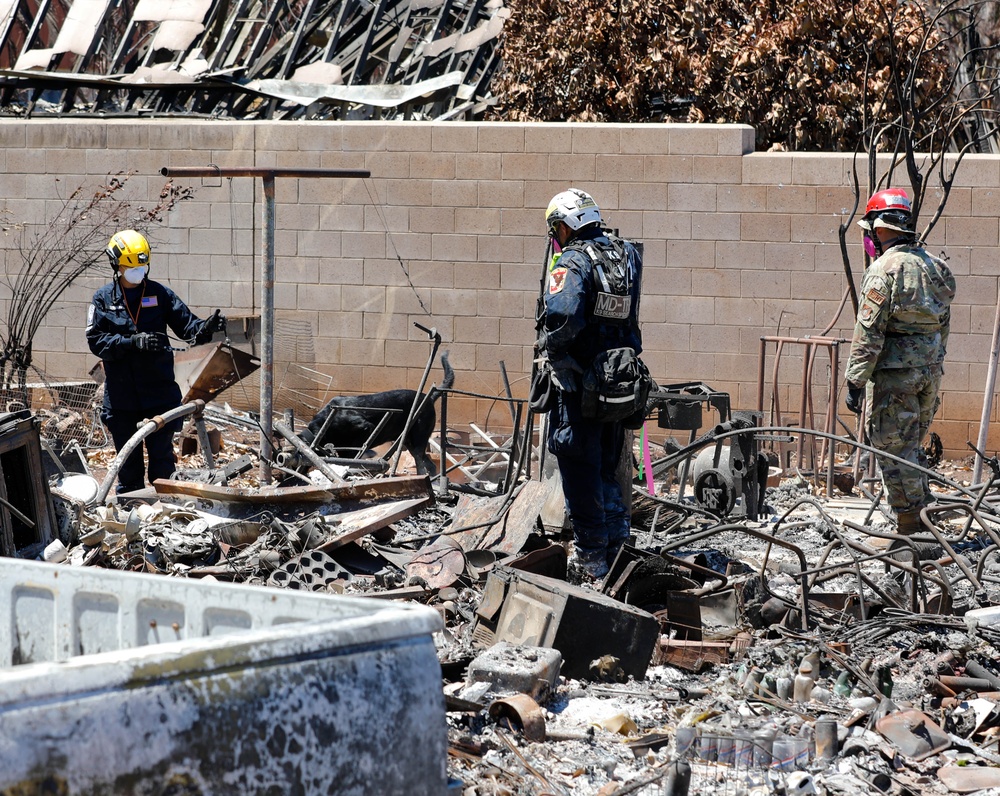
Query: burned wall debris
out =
(250, 59)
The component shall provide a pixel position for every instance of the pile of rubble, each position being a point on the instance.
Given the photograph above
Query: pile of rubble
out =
(787, 642)
(743, 685)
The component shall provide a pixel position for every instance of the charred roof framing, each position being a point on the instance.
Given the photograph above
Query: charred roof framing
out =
(250, 59)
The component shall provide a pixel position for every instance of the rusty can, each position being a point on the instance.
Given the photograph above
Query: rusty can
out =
(825, 736)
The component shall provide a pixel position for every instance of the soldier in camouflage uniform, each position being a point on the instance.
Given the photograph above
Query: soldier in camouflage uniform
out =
(899, 346)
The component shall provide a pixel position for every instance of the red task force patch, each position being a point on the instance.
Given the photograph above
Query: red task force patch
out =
(557, 279)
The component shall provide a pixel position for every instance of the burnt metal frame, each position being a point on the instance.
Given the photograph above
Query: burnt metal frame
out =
(518, 454)
(19, 432)
(239, 39)
(687, 393)
(697, 536)
(268, 176)
(806, 404)
(942, 579)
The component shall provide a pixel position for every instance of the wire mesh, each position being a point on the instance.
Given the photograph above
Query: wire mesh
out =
(297, 385)
(68, 410)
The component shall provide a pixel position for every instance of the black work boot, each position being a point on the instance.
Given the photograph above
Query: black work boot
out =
(592, 565)
(614, 548)
(908, 522)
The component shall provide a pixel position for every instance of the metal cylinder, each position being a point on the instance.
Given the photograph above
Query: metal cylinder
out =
(825, 735)
(936, 687)
(945, 663)
(965, 683)
(678, 779)
(976, 669)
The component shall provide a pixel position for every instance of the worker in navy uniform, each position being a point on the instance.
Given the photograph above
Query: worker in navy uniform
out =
(127, 328)
(584, 317)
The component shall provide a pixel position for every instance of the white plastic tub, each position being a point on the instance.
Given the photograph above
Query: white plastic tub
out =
(142, 684)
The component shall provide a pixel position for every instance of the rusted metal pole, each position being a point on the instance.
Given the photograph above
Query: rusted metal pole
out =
(991, 378)
(268, 175)
(831, 413)
(267, 331)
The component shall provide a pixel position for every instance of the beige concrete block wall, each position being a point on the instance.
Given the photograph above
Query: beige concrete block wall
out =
(448, 233)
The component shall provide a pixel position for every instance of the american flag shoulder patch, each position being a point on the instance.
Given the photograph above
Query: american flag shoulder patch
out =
(149, 301)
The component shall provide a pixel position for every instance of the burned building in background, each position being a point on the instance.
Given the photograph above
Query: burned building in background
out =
(249, 59)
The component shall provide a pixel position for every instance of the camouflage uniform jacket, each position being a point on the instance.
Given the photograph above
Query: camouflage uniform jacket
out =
(904, 314)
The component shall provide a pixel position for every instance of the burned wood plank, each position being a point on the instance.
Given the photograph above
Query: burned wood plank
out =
(510, 532)
(353, 525)
(355, 491)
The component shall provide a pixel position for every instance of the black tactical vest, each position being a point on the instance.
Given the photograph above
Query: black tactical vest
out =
(613, 277)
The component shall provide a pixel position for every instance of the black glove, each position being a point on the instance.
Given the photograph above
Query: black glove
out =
(564, 374)
(147, 342)
(216, 322)
(855, 395)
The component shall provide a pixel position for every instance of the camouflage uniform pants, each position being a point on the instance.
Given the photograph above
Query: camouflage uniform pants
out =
(901, 405)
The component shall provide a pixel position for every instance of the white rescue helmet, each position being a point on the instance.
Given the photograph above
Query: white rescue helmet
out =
(575, 208)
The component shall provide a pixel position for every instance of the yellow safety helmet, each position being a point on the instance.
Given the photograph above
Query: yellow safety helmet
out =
(127, 249)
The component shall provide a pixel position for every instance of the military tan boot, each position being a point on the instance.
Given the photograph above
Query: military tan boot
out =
(908, 522)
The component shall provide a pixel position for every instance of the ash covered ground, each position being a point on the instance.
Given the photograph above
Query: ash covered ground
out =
(890, 685)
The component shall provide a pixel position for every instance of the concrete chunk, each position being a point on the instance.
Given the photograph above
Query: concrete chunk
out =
(518, 668)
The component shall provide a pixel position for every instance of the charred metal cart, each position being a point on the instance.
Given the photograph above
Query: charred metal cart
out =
(725, 470)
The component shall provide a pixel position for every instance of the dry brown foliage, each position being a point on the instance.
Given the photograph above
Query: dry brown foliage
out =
(807, 75)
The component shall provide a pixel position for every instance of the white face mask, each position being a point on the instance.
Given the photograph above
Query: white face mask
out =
(135, 275)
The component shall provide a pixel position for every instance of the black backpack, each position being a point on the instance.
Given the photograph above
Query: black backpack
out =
(615, 388)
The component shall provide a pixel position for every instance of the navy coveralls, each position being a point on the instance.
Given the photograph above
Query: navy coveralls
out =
(139, 384)
(587, 451)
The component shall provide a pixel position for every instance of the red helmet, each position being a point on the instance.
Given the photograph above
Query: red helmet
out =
(889, 199)
(890, 208)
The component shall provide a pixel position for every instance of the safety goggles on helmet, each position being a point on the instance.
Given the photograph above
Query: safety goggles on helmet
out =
(892, 219)
(575, 208)
(127, 249)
